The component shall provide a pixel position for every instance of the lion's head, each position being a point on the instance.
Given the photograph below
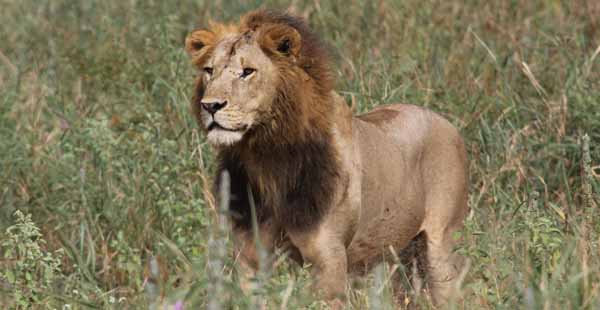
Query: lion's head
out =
(265, 77)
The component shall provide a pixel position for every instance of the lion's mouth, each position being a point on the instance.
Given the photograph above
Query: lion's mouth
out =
(215, 125)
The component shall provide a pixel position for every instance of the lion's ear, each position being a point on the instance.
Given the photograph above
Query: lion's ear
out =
(280, 39)
(199, 40)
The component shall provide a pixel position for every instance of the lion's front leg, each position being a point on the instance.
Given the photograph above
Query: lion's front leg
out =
(331, 272)
(252, 256)
(327, 254)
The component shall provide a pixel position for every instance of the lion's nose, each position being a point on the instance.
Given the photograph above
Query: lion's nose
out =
(213, 106)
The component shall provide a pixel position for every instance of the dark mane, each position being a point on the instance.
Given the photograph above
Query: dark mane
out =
(314, 55)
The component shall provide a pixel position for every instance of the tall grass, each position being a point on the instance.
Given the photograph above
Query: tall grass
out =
(98, 145)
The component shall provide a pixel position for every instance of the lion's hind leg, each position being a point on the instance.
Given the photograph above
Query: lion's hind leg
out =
(446, 208)
(442, 264)
(443, 268)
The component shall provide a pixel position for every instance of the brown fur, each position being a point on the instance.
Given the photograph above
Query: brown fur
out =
(339, 189)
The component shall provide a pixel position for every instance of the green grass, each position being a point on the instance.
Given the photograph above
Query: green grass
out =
(98, 145)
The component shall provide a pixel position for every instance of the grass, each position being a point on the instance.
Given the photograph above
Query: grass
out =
(98, 145)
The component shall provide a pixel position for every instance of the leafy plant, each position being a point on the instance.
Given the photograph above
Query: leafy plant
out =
(30, 271)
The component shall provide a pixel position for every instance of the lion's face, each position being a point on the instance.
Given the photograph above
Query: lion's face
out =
(239, 85)
(237, 81)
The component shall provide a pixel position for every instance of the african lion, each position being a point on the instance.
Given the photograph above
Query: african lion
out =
(338, 190)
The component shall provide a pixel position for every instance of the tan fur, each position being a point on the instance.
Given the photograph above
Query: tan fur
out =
(338, 190)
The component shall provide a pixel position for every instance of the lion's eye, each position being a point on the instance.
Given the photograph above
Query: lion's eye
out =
(208, 70)
(248, 72)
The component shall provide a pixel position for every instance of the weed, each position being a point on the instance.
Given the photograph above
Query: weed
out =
(30, 272)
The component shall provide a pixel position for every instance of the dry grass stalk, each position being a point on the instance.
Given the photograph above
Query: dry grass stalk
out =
(590, 63)
(218, 247)
(529, 74)
(11, 67)
(587, 174)
(206, 187)
(261, 275)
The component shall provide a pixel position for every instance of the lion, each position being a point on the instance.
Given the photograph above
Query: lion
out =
(339, 191)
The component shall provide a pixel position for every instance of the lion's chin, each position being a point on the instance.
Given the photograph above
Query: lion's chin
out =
(221, 137)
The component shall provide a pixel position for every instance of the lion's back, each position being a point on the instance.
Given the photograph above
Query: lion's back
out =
(408, 123)
(405, 124)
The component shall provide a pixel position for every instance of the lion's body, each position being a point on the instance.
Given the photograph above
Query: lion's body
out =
(420, 187)
(336, 190)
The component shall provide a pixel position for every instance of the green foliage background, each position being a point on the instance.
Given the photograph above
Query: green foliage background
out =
(98, 145)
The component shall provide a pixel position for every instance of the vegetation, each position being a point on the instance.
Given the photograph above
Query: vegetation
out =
(97, 144)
